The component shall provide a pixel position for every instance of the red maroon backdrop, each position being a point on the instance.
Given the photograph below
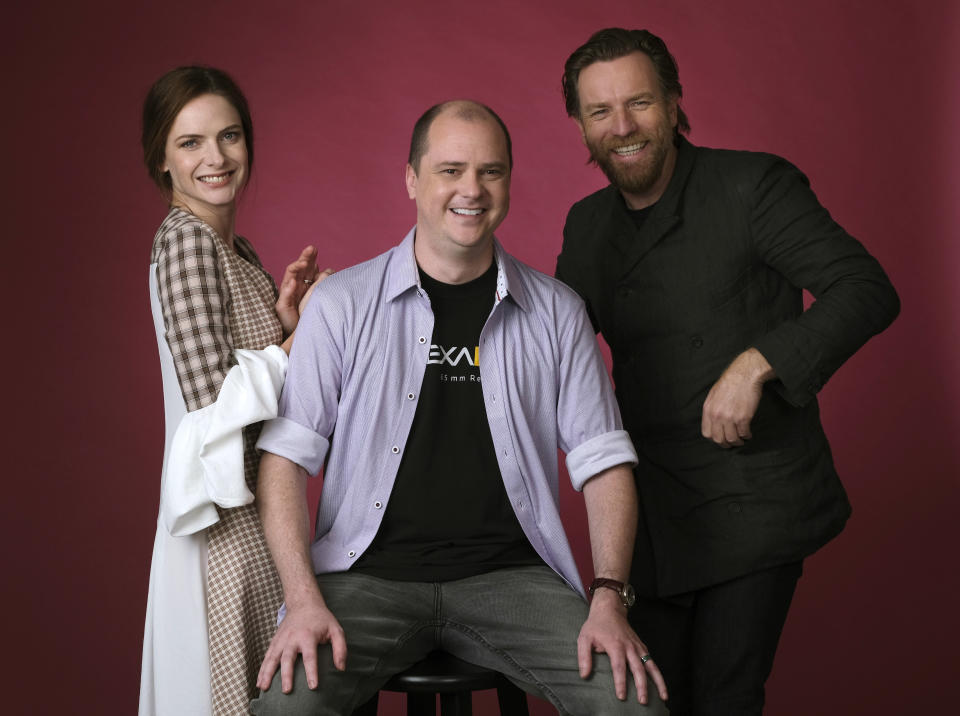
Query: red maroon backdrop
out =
(862, 96)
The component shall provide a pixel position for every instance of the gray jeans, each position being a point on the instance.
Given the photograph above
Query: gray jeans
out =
(522, 622)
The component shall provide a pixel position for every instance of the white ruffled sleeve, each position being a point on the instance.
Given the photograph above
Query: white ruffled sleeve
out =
(205, 466)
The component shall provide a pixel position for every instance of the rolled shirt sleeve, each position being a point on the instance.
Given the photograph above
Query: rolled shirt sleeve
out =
(590, 430)
(308, 407)
(299, 444)
(598, 454)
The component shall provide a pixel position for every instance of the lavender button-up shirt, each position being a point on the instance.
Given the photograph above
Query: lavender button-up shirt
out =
(356, 368)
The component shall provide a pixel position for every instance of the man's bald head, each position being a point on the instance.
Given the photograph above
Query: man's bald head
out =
(465, 109)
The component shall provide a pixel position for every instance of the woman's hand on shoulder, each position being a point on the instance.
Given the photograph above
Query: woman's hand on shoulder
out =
(309, 292)
(298, 281)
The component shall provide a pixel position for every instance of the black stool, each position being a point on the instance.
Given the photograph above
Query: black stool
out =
(455, 681)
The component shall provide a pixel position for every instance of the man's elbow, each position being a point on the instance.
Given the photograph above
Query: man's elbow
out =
(886, 302)
(892, 304)
(879, 303)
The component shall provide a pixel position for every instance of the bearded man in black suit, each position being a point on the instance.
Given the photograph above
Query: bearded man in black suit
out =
(692, 264)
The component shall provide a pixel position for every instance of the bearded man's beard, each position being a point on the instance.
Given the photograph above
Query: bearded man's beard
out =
(636, 177)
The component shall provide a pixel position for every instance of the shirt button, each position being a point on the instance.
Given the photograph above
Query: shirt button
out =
(410, 396)
(351, 553)
(696, 342)
(421, 339)
(377, 504)
(520, 505)
(734, 507)
(394, 449)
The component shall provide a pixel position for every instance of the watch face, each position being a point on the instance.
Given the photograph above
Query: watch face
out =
(628, 595)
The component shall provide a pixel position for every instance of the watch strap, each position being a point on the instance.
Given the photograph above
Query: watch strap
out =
(624, 591)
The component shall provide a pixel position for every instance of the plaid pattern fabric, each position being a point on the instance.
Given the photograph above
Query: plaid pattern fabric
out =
(214, 300)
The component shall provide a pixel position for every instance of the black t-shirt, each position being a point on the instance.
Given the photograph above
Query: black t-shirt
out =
(449, 516)
(639, 216)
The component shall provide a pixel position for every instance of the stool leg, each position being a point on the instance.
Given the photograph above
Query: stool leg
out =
(456, 704)
(512, 700)
(421, 704)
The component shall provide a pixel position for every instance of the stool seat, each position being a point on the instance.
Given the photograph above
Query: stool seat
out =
(454, 680)
(440, 672)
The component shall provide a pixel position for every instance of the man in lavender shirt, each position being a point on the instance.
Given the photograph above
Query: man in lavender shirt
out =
(436, 382)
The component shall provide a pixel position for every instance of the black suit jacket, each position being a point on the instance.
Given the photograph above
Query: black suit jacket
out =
(719, 266)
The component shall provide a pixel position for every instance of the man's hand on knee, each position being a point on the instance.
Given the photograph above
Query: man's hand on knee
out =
(305, 626)
(606, 631)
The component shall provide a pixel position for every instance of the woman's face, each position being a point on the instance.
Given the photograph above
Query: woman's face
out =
(206, 156)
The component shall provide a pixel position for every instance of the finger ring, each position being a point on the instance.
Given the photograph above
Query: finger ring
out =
(308, 281)
(645, 658)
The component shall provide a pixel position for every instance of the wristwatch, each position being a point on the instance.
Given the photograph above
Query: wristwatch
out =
(624, 590)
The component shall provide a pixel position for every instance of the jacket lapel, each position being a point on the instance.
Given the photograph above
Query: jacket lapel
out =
(631, 244)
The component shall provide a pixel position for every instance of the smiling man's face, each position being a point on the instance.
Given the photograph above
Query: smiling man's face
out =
(461, 186)
(628, 126)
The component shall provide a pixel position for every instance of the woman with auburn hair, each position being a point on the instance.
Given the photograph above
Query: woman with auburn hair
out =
(223, 331)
